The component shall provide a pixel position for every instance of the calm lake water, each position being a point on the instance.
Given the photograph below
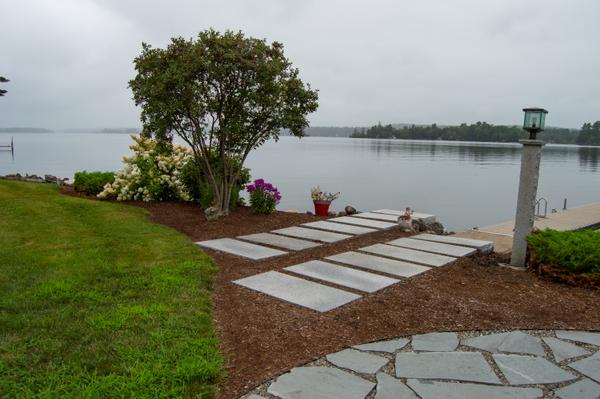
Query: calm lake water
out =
(464, 184)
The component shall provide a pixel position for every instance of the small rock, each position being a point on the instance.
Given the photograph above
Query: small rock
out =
(309, 213)
(342, 213)
(212, 213)
(350, 210)
(50, 178)
(437, 227)
(331, 213)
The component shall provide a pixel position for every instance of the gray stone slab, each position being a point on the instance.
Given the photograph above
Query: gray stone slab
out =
(357, 361)
(294, 244)
(389, 387)
(483, 246)
(427, 218)
(339, 227)
(320, 383)
(519, 342)
(298, 291)
(580, 336)
(460, 366)
(527, 370)
(512, 342)
(389, 346)
(377, 216)
(584, 389)
(254, 397)
(376, 224)
(564, 350)
(409, 255)
(435, 342)
(312, 234)
(379, 264)
(449, 390)
(434, 247)
(345, 276)
(590, 366)
(240, 248)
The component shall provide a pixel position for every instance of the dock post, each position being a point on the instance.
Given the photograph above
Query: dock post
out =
(528, 184)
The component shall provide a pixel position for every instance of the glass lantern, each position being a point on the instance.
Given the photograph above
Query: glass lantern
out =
(535, 120)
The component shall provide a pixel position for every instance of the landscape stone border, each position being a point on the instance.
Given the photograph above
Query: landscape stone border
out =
(567, 367)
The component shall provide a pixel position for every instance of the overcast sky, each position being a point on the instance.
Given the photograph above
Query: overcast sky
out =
(394, 61)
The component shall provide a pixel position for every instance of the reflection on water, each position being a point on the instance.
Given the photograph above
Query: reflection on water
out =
(465, 184)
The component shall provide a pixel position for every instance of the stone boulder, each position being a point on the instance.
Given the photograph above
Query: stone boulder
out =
(350, 210)
(212, 213)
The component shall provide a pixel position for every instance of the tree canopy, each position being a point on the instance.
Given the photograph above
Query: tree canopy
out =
(589, 134)
(224, 94)
(3, 80)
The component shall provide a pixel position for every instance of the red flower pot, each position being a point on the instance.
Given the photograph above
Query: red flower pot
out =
(322, 208)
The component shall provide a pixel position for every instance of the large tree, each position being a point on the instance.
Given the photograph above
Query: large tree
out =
(224, 94)
(3, 80)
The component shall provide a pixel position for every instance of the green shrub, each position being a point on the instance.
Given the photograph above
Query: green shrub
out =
(92, 182)
(197, 185)
(575, 251)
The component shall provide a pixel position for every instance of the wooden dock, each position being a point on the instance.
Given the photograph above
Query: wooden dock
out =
(569, 219)
(10, 147)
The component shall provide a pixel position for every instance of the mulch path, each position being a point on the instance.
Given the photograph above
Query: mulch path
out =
(261, 337)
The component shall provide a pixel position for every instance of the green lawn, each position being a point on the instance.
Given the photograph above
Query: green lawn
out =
(97, 302)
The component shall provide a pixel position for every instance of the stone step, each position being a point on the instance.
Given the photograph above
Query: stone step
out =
(409, 255)
(298, 291)
(480, 245)
(425, 217)
(379, 264)
(376, 224)
(294, 244)
(339, 227)
(240, 248)
(344, 276)
(434, 247)
(312, 234)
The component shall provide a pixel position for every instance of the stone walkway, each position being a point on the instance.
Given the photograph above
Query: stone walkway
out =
(447, 365)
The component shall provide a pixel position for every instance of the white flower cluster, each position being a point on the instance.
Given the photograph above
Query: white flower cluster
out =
(150, 174)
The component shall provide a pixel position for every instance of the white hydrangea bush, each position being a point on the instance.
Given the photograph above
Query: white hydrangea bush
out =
(152, 173)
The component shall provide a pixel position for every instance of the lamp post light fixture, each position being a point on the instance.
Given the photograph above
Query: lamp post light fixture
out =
(534, 122)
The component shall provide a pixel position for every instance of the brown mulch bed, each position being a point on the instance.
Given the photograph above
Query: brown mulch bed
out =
(261, 337)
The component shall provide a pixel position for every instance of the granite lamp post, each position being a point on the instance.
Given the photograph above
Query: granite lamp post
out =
(534, 122)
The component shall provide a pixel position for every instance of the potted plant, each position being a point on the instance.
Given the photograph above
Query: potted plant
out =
(322, 200)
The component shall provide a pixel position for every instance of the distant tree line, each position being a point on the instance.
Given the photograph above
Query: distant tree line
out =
(480, 131)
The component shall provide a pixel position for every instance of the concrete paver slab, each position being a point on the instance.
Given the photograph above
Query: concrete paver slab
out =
(590, 366)
(580, 336)
(435, 342)
(240, 248)
(376, 224)
(320, 383)
(379, 264)
(461, 366)
(357, 361)
(340, 275)
(480, 245)
(584, 389)
(389, 387)
(377, 216)
(339, 227)
(298, 291)
(409, 255)
(527, 370)
(294, 244)
(389, 346)
(434, 247)
(563, 350)
(312, 234)
(449, 390)
(425, 217)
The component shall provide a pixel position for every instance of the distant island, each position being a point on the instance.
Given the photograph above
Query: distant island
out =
(24, 130)
(589, 134)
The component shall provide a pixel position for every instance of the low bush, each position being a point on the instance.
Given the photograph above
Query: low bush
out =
(574, 251)
(263, 196)
(92, 182)
(196, 184)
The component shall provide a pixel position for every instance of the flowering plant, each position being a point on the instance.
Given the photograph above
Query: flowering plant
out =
(263, 196)
(152, 173)
(318, 195)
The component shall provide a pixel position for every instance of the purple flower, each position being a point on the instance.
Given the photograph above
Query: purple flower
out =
(250, 188)
(269, 186)
(259, 182)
